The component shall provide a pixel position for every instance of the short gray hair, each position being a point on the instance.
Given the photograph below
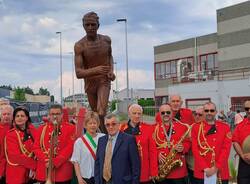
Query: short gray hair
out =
(135, 105)
(110, 116)
(3, 107)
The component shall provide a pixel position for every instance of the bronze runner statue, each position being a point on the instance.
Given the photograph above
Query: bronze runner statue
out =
(94, 63)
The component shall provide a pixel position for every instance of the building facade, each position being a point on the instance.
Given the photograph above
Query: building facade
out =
(213, 67)
(135, 94)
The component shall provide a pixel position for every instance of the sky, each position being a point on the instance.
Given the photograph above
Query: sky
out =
(30, 47)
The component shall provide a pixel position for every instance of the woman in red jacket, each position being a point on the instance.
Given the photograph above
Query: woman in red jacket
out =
(18, 145)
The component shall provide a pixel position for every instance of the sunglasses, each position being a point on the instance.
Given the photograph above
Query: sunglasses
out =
(247, 108)
(165, 112)
(110, 124)
(209, 110)
(198, 114)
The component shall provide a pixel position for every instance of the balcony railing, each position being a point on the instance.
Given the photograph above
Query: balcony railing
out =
(206, 75)
(196, 76)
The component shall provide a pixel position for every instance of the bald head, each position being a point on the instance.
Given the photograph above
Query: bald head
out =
(247, 108)
(199, 114)
(175, 102)
(247, 103)
(166, 113)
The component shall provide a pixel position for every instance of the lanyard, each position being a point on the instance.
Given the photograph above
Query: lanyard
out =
(168, 137)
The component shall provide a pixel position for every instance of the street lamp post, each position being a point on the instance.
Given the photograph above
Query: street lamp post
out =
(61, 91)
(116, 82)
(73, 72)
(126, 42)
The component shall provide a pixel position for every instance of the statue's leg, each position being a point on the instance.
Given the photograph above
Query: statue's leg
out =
(92, 98)
(102, 103)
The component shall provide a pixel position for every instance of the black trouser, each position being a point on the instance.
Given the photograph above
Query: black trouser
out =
(243, 173)
(173, 181)
(2, 180)
(89, 180)
(243, 180)
(201, 181)
(190, 176)
(146, 182)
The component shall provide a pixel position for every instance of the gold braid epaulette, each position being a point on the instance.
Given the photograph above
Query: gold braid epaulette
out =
(6, 154)
(189, 127)
(162, 143)
(207, 148)
(159, 142)
(42, 145)
(22, 149)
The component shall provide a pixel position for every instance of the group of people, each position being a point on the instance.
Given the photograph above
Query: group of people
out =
(181, 147)
(29, 154)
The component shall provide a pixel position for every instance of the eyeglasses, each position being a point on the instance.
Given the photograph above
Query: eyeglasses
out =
(209, 110)
(198, 114)
(165, 112)
(110, 124)
(247, 108)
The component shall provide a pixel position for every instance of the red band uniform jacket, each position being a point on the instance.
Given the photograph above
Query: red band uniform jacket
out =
(3, 130)
(146, 148)
(19, 163)
(241, 132)
(185, 116)
(218, 138)
(63, 167)
(178, 130)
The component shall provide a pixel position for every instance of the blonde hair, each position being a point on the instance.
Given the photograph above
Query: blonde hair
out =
(91, 115)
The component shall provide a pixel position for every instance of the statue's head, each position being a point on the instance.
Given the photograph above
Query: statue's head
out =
(90, 16)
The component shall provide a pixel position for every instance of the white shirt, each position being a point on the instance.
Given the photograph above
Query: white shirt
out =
(83, 157)
(238, 118)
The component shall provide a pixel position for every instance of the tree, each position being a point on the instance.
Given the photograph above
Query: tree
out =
(43, 91)
(6, 87)
(52, 98)
(19, 94)
(28, 90)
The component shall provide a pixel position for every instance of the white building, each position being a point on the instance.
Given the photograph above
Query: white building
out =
(214, 67)
(136, 94)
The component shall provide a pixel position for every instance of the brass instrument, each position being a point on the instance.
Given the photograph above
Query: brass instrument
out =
(52, 151)
(170, 162)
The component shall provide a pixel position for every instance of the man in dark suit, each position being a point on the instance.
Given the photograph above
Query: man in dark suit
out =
(117, 157)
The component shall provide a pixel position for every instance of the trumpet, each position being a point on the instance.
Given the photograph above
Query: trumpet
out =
(52, 151)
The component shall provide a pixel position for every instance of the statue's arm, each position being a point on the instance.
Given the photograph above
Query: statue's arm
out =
(111, 74)
(82, 72)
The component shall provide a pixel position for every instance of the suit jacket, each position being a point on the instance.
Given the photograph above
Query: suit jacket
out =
(125, 160)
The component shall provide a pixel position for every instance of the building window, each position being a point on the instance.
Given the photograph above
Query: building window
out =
(169, 69)
(208, 62)
(186, 66)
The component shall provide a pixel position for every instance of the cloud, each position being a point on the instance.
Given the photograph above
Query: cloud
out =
(137, 79)
(47, 22)
(29, 47)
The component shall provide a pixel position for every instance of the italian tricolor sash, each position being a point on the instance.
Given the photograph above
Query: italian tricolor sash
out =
(90, 144)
